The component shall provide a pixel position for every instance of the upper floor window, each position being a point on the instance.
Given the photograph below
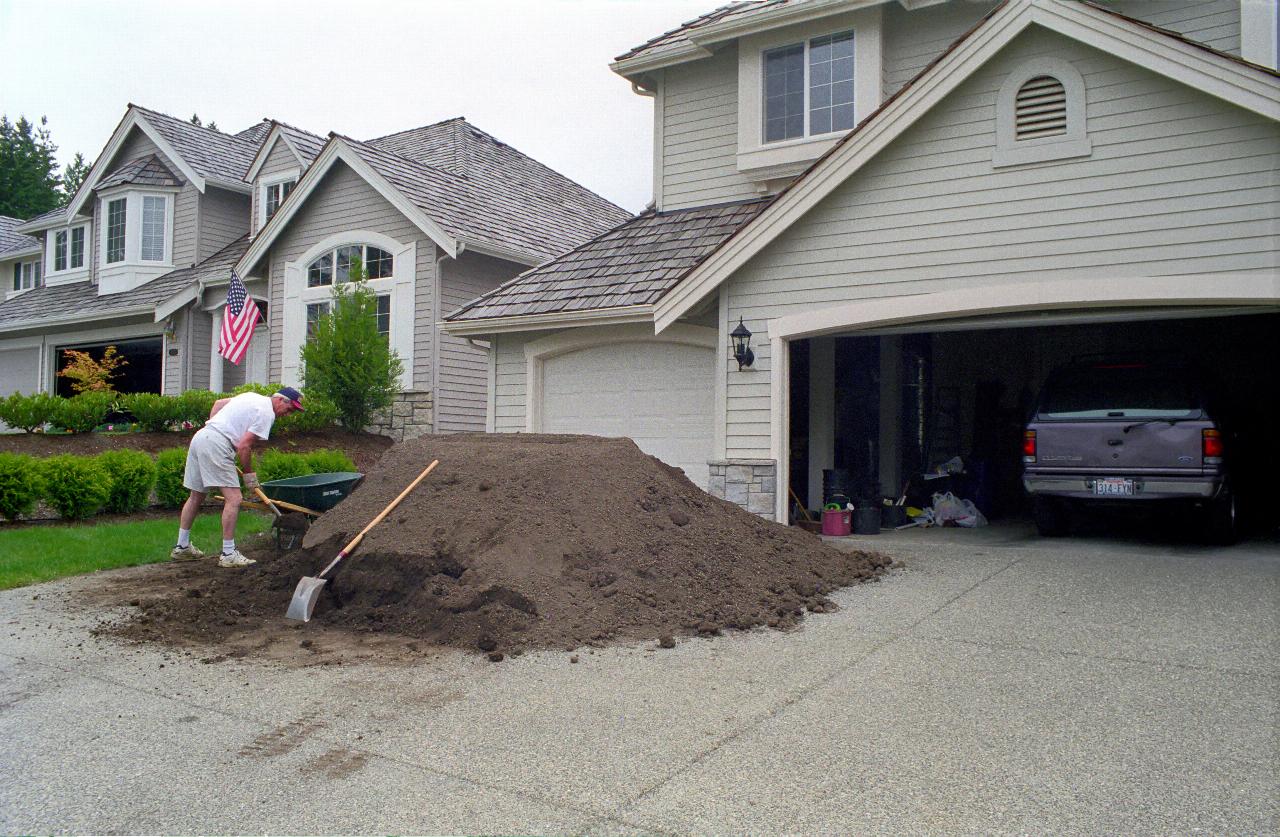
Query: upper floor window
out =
(273, 195)
(153, 228)
(77, 247)
(68, 249)
(334, 267)
(813, 82)
(26, 275)
(115, 229)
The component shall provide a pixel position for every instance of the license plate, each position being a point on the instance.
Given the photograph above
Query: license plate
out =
(1113, 487)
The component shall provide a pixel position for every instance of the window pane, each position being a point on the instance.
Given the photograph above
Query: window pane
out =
(17, 277)
(77, 247)
(784, 92)
(321, 271)
(820, 121)
(38, 271)
(377, 263)
(60, 250)
(842, 118)
(286, 188)
(152, 229)
(272, 200)
(347, 256)
(26, 276)
(315, 311)
(831, 83)
(384, 316)
(115, 231)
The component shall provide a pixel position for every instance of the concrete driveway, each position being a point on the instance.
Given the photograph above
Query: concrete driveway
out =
(996, 683)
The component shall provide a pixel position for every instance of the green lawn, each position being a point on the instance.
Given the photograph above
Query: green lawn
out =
(33, 554)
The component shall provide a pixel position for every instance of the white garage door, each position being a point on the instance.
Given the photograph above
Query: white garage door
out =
(19, 370)
(661, 395)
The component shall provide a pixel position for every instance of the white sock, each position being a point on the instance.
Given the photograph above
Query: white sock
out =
(228, 546)
(184, 537)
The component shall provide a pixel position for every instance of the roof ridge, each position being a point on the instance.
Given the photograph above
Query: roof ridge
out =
(189, 123)
(284, 124)
(410, 160)
(419, 128)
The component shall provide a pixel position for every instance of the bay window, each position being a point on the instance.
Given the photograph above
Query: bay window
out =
(115, 229)
(153, 227)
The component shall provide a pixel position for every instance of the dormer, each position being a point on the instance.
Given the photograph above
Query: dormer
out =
(284, 155)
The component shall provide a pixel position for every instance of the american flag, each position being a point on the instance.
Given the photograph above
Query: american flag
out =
(237, 322)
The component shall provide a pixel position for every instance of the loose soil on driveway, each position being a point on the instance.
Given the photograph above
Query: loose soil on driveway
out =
(514, 542)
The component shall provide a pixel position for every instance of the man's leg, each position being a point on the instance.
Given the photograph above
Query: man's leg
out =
(230, 513)
(184, 548)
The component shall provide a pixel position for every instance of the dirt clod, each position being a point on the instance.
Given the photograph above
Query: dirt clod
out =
(521, 542)
(496, 657)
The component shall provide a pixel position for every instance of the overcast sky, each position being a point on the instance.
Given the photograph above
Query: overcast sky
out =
(534, 73)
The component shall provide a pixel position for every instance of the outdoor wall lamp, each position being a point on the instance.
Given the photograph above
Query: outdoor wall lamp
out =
(742, 346)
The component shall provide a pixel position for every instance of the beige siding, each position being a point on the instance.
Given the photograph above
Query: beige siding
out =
(462, 389)
(224, 217)
(174, 365)
(344, 202)
(700, 134)
(1212, 22)
(1178, 183)
(136, 145)
(201, 348)
(510, 389)
(912, 39)
(186, 227)
(279, 159)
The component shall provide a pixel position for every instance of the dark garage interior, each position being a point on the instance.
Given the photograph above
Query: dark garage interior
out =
(142, 372)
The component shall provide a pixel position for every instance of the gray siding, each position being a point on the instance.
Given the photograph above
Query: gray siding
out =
(280, 159)
(1178, 183)
(510, 390)
(224, 217)
(1212, 22)
(461, 394)
(201, 325)
(910, 40)
(186, 227)
(700, 134)
(136, 145)
(174, 366)
(344, 202)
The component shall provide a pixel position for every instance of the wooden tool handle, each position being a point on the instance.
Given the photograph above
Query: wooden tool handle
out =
(346, 550)
(257, 489)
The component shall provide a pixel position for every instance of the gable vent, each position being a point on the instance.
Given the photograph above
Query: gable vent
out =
(1040, 109)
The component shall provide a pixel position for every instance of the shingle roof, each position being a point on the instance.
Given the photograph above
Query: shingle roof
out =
(632, 264)
(53, 215)
(679, 36)
(307, 143)
(483, 190)
(30, 309)
(256, 132)
(147, 171)
(14, 242)
(210, 153)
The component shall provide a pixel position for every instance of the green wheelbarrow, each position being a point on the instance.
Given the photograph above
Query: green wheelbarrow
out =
(316, 493)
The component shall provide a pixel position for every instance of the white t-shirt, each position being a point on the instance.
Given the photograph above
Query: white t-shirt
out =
(246, 412)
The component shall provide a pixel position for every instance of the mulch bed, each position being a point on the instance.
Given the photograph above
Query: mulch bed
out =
(519, 542)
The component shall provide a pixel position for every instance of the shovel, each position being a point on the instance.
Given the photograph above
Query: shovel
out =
(308, 590)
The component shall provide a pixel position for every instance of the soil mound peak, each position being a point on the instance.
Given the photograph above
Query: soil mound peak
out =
(521, 541)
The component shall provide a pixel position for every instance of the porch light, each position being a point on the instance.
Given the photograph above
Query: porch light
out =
(742, 346)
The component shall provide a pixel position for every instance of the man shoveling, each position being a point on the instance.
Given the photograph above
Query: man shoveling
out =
(233, 427)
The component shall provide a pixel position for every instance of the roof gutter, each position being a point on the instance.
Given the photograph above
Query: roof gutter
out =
(30, 325)
(556, 319)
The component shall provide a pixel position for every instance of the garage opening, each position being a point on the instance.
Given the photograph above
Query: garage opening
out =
(142, 372)
(883, 413)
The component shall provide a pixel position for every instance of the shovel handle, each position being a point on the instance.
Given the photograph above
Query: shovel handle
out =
(346, 550)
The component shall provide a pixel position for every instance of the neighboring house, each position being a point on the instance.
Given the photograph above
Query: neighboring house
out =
(1025, 182)
(141, 256)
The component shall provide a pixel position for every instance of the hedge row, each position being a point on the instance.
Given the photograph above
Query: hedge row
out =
(90, 410)
(123, 481)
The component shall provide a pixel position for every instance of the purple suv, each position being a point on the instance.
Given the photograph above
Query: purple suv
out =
(1127, 433)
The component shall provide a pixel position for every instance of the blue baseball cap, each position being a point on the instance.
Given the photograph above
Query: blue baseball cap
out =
(295, 397)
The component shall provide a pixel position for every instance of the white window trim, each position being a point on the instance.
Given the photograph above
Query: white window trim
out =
(400, 287)
(133, 271)
(28, 270)
(273, 180)
(783, 158)
(1073, 144)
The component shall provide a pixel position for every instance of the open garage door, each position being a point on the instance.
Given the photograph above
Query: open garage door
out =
(661, 395)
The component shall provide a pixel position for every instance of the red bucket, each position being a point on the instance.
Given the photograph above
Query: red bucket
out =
(837, 522)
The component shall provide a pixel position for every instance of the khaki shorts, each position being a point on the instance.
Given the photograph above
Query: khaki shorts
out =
(211, 462)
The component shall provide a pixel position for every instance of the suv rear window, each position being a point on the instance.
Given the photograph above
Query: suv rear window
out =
(1100, 392)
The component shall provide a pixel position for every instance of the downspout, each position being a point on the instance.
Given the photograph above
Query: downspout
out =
(437, 283)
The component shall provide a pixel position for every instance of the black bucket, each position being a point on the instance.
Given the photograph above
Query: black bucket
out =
(866, 520)
(837, 486)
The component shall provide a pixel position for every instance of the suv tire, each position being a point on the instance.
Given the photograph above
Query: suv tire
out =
(1051, 516)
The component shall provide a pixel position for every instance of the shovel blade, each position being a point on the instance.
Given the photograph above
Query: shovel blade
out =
(304, 598)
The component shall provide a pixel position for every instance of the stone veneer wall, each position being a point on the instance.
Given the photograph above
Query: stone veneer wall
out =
(751, 483)
(408, 418)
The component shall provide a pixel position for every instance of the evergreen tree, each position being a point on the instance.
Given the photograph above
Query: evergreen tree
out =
(73, 175)
(195, 120)
(29, 178)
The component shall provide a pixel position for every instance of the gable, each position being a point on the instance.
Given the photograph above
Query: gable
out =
(1177, 182)
(279, 160)
(136, 145)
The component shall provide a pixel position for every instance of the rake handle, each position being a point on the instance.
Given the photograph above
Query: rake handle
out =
(346, 550)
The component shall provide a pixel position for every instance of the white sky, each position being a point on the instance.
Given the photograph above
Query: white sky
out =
(533, 73)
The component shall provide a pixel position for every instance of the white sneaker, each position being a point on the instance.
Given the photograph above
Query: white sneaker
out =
(234, 559)
(186, 553)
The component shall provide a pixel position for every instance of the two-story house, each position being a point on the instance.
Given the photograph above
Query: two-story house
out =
(141, 256)
(912, 210)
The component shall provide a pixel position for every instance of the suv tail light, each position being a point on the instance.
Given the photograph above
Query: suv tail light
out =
(1211, 445)
(1029, 446)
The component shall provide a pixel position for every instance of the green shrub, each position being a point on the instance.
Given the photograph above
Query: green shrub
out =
(171, 466)
(153, 412)
(75, 486)
(84, 412)
(261, 389)
(274, 464)
(318, 415)
(133, 475)
(20, 484)
(347, 362)
(328, 461)
(193, 406)
(28, 412)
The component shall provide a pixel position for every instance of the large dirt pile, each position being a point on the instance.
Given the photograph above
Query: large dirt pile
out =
(523, 541)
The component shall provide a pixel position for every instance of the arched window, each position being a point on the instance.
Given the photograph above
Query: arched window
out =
(1040, 114)
(335, 266)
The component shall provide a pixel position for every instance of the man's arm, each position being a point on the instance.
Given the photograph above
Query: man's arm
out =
(244, 450)
(218, 405)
